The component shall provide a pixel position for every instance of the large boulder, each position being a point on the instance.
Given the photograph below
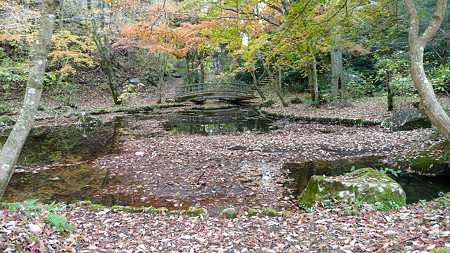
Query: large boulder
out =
(406, 119)
(364, 185)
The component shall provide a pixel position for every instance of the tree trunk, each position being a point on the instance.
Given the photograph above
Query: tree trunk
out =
(312, 80)
(38, 61)
(256, 84)
(275, 84)
(337, 70)
(104, 48)
(417, 43)
(390, 94)
(162, 61)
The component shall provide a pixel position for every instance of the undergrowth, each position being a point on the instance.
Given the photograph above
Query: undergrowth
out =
(32, 208)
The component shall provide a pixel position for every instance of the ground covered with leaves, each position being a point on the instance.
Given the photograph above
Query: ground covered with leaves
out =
(414, 228)
(240, 170)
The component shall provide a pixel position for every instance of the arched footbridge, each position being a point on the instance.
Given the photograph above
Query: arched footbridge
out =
(200, 92)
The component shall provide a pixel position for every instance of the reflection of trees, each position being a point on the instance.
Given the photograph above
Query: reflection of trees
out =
(62, 184)
(66, 143)
(217, 121)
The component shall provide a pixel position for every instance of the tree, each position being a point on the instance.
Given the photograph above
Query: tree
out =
(38, 61)
(417, 44)
(101, 39)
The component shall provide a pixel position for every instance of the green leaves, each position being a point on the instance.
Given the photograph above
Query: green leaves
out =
(59, 222)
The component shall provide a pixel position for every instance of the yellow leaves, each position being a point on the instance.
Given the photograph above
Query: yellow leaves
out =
(70, 51)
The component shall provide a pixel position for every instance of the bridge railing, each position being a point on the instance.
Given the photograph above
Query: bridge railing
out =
(200, 88)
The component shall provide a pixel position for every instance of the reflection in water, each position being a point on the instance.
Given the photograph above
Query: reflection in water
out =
(81, 181)
(68, 144)
(217, 121)
(60, 184)
(416, 187)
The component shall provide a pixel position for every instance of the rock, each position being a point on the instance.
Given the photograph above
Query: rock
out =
(230, 213)
(252, 212)
(175, 74)
(85, 119)
(135, 80)
(6, 121)
(406, 119)
(364, 185)
(435, 161)
(340, 103)
(196, 212)
(270, 212)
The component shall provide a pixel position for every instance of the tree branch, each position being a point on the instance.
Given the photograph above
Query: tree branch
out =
(435, 22)
(261, 17)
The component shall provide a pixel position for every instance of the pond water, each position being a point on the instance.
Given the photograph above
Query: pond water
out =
(416, 187)
(74, 176)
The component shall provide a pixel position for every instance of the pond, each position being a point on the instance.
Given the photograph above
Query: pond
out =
(65, 170)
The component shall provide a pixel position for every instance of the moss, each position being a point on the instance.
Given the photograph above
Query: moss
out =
(231, 213)
(364, 185)
(176, 212)
(196, 212)
(334, 121)
(98, 112)
(270, 212)
(434, 161)
(440, 250)
(286, 213)
(95, 207)
(252, 212)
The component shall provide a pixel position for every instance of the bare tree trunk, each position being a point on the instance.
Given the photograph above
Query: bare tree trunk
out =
(337, 69)
(276, 84)
(390, 94)
(417, 44)
(38, 61)
(312, 80)
(162, 61)
(256, 84)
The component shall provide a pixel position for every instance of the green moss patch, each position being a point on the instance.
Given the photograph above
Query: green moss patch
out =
(364, 185)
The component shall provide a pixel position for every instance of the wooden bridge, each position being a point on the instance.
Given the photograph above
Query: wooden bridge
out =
(200, 92)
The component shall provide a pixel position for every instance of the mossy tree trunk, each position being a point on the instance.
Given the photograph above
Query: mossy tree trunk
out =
(417, 43)
(38, 61)
(101, 40)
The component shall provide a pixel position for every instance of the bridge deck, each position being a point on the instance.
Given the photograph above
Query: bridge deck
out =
(225, 91)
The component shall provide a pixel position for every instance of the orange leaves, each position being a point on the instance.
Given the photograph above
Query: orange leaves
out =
(178, 40)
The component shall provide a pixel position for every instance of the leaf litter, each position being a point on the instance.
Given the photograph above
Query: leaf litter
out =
(240, 170)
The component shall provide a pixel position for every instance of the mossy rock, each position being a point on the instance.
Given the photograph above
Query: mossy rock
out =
(252, 212)
(406, 119)
(364, 185)
(440, 250)
(270, 212)
(196, 212)
(434, 161)
(230, 213)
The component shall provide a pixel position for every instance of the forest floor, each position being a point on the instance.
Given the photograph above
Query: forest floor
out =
(154, 162)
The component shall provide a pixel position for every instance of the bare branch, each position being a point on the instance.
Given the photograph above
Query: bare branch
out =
(261, 17)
